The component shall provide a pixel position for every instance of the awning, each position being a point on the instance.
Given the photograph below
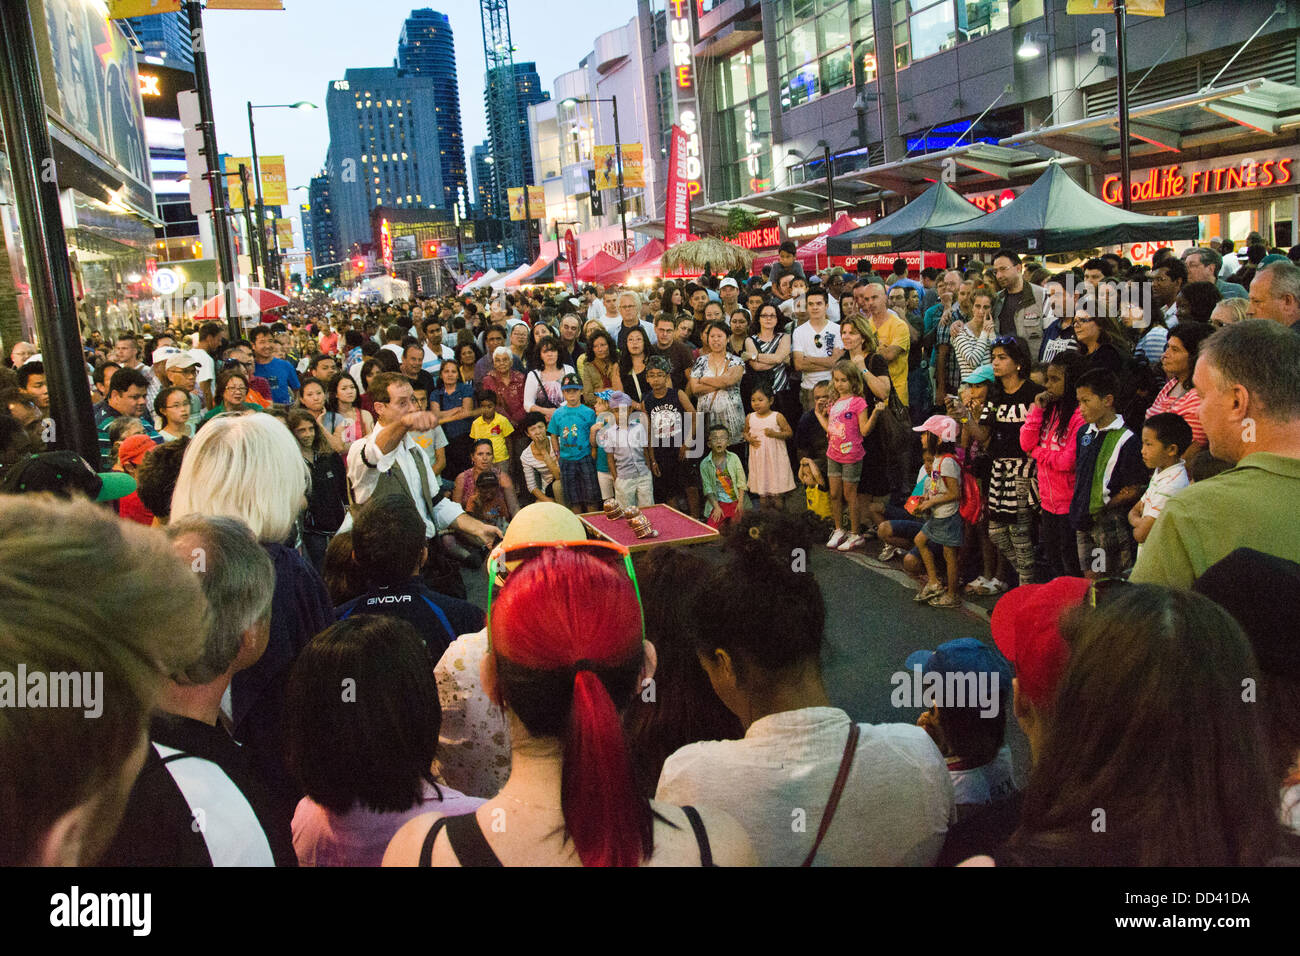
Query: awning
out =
(906, 229)
(1207, 118)
(1056, 214)
(597, 265)
(644, 262)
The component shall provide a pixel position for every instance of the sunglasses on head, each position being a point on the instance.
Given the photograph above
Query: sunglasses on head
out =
(615, 555)
(1104, 588)
(1004, 340)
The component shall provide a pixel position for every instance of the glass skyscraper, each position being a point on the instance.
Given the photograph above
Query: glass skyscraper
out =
(426, 49)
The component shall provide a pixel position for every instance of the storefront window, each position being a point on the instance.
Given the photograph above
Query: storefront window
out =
(744, 126)
(925, 27)
(816, 50)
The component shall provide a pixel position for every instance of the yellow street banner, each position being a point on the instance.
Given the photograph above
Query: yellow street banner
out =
(245, 4)
(536, 203)
(275, 188)
(605, 159)
(1142, 8)
(275, 191)
(284, 232)
(119, 9)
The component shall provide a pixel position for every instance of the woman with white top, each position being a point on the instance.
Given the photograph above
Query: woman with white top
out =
(759, 639)
(973, 340)
(542, 392)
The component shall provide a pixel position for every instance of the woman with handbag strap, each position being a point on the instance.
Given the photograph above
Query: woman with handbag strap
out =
(800, 783)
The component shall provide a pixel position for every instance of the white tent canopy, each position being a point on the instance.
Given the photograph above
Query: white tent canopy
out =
(484, 280)
(500, 283)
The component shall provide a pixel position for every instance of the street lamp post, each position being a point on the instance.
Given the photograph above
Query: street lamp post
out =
(618, 157)
(264, 257)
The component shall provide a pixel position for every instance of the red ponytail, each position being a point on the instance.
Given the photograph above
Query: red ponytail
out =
(567, 629)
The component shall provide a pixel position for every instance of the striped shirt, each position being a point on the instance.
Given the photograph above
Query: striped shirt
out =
(1186, 406)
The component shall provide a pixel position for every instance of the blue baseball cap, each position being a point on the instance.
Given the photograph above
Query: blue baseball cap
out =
(982, 374)
(965, 655)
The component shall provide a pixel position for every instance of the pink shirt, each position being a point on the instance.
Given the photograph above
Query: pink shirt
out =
(843, 437)
(359, 837)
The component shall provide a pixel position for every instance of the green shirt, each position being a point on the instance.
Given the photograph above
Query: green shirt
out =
(1250, 506)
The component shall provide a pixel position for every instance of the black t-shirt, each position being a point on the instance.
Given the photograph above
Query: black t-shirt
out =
(664, 420)
(190, 805)
(424, 380)
(810, 437)
(1004, 414)
(437, 618)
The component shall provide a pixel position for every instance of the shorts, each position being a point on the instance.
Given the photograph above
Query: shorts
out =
(637, 491)
(671, 481)
(945, 531)
(579, 480)
(722, 511)
(606, 482)
(850, 471)
(908, 528)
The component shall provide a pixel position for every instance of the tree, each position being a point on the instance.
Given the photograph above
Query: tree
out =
(739, 220)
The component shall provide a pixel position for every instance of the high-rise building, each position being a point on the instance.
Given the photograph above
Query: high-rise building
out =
(426, 48)
(484, 208)
(308, 240)
(528, 91)
(324, 242)
(166, 35)
(384, 149)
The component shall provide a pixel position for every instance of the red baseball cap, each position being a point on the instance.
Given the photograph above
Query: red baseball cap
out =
(1026, 630)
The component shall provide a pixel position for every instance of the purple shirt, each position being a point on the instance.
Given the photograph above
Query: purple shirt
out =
(359, 837)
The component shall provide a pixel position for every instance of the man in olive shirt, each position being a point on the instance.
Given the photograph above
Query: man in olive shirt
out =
(1248, 377)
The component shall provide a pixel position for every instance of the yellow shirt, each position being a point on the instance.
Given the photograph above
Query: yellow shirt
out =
(495, 431)
(894, 331)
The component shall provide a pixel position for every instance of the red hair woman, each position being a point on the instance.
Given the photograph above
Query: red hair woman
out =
(567, 655)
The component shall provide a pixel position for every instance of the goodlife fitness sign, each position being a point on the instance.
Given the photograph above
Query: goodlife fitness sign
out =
(681, 39)
(1206, 178)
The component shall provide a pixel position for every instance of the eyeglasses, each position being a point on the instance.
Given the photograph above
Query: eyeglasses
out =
(606, 551)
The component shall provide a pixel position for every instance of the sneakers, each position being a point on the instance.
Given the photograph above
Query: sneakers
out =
(977, 586)
(836, 539)
(944, 599)
(851, 542)
(888, 553)
(928, 592)
(985, 587)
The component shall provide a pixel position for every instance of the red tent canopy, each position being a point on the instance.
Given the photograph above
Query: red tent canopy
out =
(598, 264)
(645, 261)
(812, 254)
(540, 263)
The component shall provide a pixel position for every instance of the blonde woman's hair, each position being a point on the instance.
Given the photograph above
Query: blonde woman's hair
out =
(83, 593)
(857, 384)
(862, 325)
(246, 467)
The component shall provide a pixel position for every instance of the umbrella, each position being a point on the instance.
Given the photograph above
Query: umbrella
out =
(907, 229)
(251, 301)
(1056, 214)
(719, 255)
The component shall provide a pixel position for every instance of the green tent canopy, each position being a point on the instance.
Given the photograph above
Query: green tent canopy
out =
(907, 229)
(1056, 214)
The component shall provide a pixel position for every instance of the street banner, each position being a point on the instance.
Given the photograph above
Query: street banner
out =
(593, 194)
(275, 188)
(245, 4)
(536, 207)
(571, 253)
(605, 160)
(284, 232)
(1144, 8)
(677, 215)
(120, 9)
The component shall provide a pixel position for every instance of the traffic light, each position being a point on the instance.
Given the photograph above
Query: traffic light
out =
(359, 264)
(430, 249)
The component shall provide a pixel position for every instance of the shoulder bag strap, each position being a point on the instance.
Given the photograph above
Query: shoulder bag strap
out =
(468, 842)
(846, 762)
(701, 835)
(426, 851)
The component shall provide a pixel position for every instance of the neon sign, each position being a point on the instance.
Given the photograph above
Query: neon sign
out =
(149, 84)
(681, 37)
(1177, 182)
(765, 237)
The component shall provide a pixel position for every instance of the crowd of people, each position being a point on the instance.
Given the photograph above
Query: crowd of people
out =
(1115, 447)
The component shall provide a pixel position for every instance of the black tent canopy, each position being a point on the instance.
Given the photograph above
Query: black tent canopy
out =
(1056, 214)
(907, 229)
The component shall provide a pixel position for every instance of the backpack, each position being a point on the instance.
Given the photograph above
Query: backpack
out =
(972, 502)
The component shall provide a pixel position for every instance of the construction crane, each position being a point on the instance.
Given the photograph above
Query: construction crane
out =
(503, 107)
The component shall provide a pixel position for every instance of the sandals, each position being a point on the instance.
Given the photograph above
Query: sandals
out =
(928, 592)
(944, 599)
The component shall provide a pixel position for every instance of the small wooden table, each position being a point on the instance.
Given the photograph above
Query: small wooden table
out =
(673, 527)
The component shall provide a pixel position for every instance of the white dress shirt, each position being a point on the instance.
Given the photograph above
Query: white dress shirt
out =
(364, 478)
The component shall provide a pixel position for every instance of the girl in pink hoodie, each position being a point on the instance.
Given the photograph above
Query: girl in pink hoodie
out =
(1048, 436)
